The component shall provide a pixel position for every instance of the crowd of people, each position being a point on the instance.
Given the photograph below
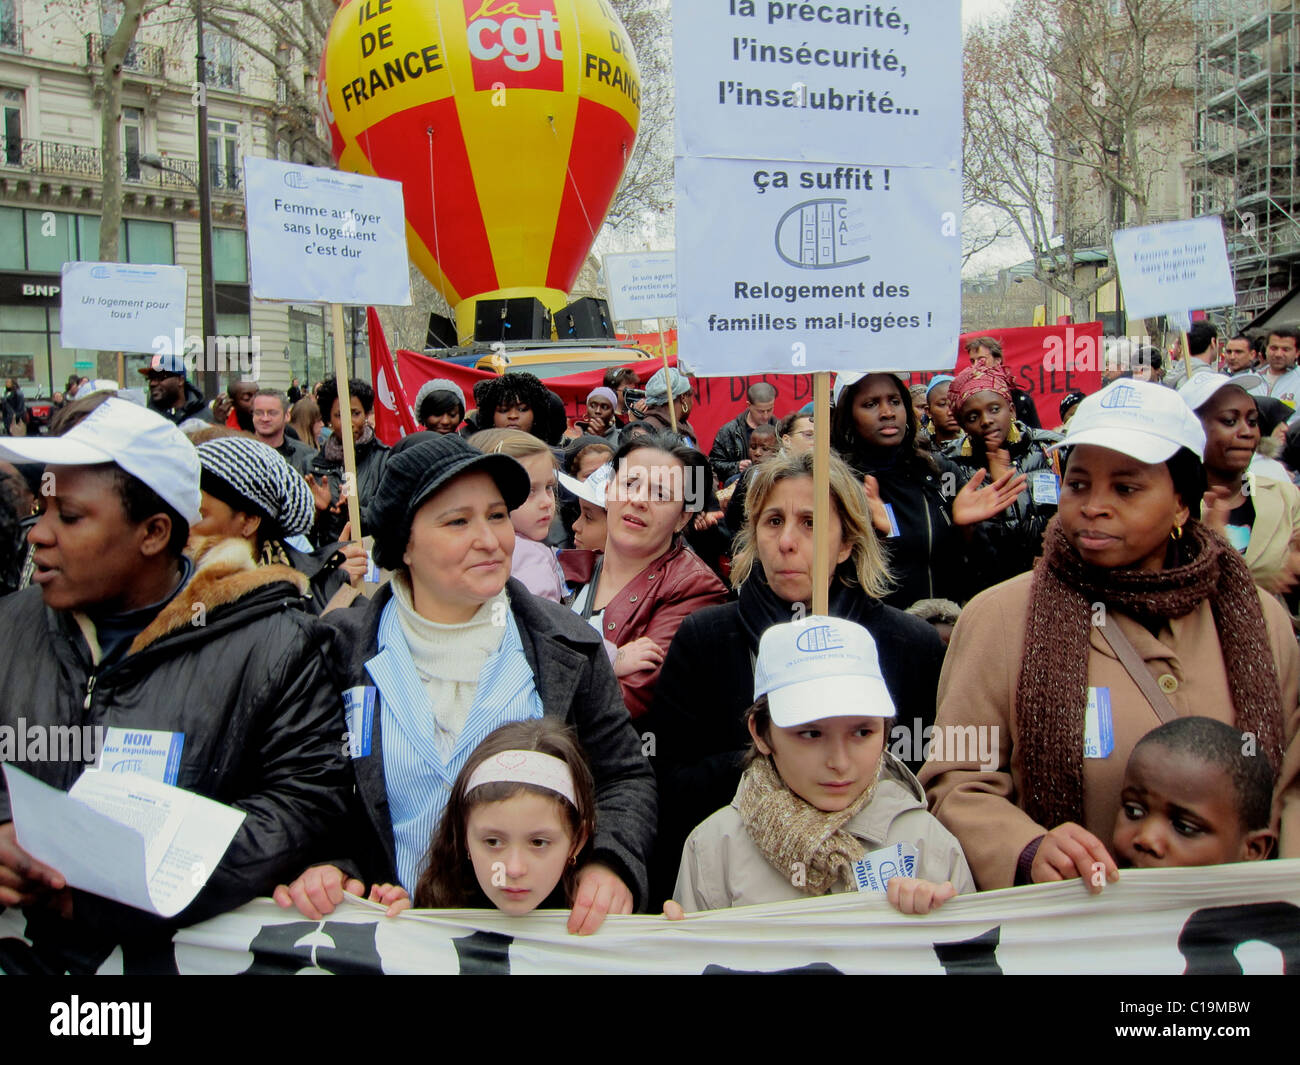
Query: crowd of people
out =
(578, 665)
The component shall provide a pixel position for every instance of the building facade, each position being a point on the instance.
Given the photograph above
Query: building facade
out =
(51, 185)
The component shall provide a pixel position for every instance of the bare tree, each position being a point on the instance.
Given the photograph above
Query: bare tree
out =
(1076, 111)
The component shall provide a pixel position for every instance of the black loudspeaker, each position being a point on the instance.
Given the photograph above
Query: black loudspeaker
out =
(584, 319)
(507, 320)
(442, 332)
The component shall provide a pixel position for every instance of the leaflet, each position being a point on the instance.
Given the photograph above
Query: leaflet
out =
(124, 836)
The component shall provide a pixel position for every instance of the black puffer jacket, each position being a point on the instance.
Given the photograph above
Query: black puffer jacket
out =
(194, 406)
(262, 719)
(707, 684)
(1015, 537)
(576, 685)
(371, 457)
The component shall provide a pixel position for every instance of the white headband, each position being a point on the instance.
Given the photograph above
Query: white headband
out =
(525, 767)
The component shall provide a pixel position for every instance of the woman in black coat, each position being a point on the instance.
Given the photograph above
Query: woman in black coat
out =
(707, 681)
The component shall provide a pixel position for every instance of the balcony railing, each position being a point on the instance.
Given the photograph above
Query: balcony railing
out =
(140, 57)
(78, 160)
(221, 75)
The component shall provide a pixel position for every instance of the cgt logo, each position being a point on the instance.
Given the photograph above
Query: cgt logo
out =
(515, 43)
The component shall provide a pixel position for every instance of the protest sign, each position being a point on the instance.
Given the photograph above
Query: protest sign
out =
(789, 275)
(642, 285)
(799, 77)
(325, 236)
(1174, 267)
(1225, 919)
(121, 306)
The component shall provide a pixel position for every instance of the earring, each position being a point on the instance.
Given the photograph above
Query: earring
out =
(1177, 533)
(573, 859)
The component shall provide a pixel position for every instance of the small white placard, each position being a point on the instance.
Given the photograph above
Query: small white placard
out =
(642, 285)
(121, 306)
(1174, 266)
(325, 236)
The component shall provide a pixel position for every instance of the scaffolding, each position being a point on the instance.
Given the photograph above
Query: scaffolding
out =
(1247, 109)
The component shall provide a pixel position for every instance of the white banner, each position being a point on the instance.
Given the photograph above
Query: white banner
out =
(1174, 267)
(818, 185)
(804, 267)
(642, 285)
(1224, 919)
(762, 79)
(325, 236)
(121, 306)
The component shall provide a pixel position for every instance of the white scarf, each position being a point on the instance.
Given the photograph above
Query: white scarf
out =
(449, 658)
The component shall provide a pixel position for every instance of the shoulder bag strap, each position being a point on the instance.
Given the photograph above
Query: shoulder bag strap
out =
(1137, 669)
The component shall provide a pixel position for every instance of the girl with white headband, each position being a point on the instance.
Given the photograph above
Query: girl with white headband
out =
(520, 813)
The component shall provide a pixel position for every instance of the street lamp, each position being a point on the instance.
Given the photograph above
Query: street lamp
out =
(207, 280)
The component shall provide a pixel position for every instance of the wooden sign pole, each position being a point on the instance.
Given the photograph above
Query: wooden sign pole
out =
(668, 376)
(350, 487)
(821, 491)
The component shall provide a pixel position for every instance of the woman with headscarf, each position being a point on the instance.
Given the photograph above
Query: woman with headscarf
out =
(980, 398)
(252, 495)
(1136, 614)
(922, 505)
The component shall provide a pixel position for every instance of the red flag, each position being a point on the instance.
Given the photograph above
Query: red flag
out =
(394, 418)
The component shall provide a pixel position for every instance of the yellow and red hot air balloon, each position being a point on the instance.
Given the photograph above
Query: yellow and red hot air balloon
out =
(509, 124)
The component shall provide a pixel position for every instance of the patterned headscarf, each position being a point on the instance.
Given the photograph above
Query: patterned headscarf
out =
(978, 379)
(252, 475)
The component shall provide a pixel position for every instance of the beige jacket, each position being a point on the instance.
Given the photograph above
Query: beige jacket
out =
(978, 687)
(1277, 520)
(723, 867)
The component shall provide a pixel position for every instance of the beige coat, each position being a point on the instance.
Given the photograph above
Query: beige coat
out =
(723, 867)
(978, 687)
(1277, 519)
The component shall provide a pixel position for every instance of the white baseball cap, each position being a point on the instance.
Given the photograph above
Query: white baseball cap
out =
(1141, 419)
(820, 667)
(1197, 389)
(143, 443)
(594, 488)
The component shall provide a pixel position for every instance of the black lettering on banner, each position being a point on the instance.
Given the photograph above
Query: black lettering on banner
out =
(484, 954)
(817, 968)
(1210, 936)
(275, 950)
(971, 957)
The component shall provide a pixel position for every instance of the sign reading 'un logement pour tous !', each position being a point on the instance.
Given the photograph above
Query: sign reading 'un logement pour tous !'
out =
(793, 254)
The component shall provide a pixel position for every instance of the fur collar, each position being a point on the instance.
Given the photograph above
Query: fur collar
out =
(225, 571)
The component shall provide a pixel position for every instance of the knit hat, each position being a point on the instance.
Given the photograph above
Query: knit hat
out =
(438, 384)
(414, 473)
(656, 389)
(607, 394)
(936, 381)
(247, 474)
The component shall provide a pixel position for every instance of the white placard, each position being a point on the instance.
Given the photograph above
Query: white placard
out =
(121, 306)
(758, 79)
(642, 285)
(1174, 266)
(325, 236)
(780, 274)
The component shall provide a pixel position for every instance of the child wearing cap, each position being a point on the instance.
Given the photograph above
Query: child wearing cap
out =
(1196, 792)
(822, 807)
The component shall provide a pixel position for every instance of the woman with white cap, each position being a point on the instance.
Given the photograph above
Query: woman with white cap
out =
(1257, 514)
(1136, 614)
(440, 406)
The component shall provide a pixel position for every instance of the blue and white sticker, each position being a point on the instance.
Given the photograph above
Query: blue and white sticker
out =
(359, 712)
(1045, 488)
(1098, 729)
(893, 522)
(152, 753)
(877, 869)
(373, 573)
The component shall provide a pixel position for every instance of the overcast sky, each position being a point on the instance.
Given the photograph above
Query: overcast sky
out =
(973, 9)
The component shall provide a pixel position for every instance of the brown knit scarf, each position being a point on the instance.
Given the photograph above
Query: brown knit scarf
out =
(794, 834)
(1053, 688)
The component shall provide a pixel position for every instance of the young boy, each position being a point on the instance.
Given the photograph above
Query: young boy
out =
(1195, 793)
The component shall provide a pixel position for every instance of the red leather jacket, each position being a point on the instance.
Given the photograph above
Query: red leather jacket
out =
(654, 603)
